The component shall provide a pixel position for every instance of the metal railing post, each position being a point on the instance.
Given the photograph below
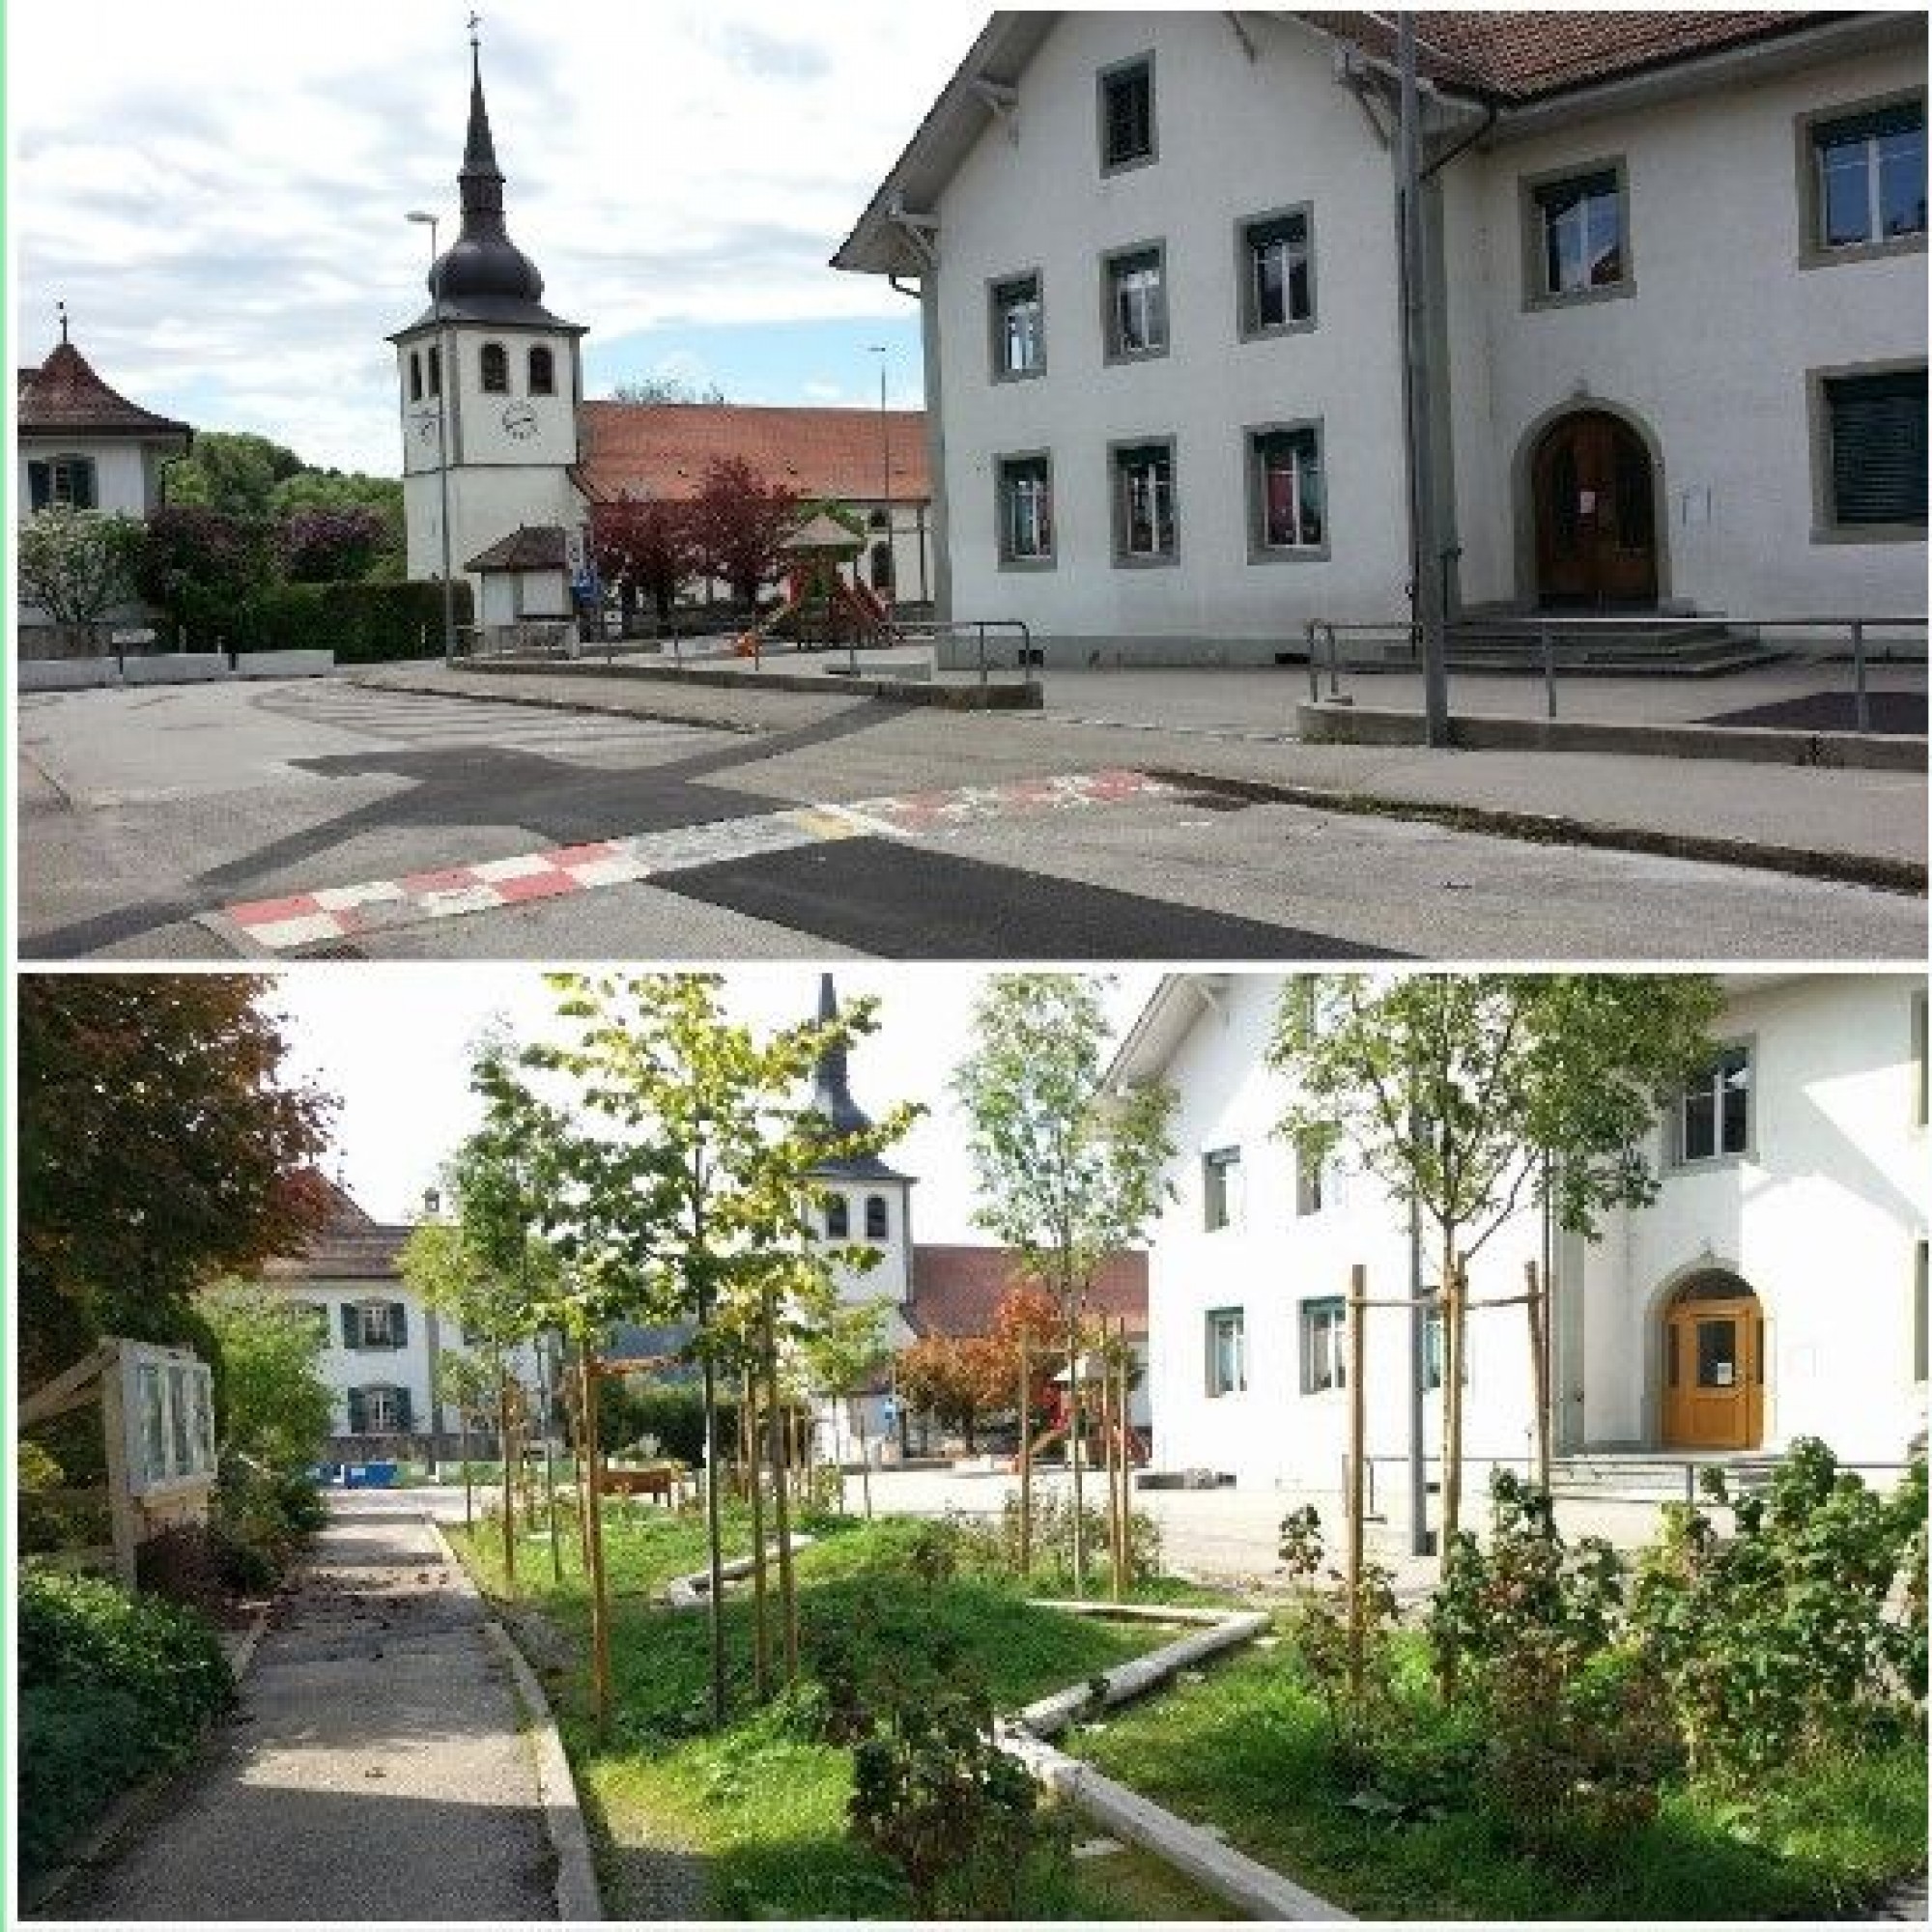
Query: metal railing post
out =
(983, 655)
(1314, 664)
(1861, 699)
(1548, 671)
(1026, 651)
(1334, 664)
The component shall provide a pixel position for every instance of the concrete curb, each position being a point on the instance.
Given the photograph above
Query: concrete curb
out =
(1255, 1889)
(689, 1591)
(1326, 722)
(1856, 869)
(578, 1899)
(819, 684)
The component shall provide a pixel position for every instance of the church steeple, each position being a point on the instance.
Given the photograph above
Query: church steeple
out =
(479, 181)
(831, 1080)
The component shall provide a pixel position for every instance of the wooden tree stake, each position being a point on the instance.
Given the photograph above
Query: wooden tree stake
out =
(1358, 1277)
(1537, 1302)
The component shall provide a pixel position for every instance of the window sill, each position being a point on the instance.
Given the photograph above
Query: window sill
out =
(1304, 553)
(1578, 298)
(1868, 533)
(1273, 331)
(1128, 165)
(1167, 562)
(1817, 256)
(1126, 358)
(1003, 378)
(1029, 565)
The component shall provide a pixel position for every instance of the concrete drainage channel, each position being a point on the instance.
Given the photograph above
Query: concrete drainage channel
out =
(1252, 1888)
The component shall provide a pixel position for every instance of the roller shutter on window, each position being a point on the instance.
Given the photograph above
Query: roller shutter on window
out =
(358, 1413)
(1878, 448)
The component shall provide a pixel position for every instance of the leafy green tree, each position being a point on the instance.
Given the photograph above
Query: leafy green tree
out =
(843, 1358)
(159, 1146)
(276, 1406)
(661, 390)
(344, 492)
(1069, 1171)
(1470, 1094)
(465, 1383)
(694, 1193)
(234, 471)
(76, 565)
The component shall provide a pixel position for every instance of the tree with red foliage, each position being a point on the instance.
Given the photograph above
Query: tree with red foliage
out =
(741, 524)
(330, 544)
(646, 546)
(159, 1146)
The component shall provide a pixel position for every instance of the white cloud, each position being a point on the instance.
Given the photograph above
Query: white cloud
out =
(217, 187)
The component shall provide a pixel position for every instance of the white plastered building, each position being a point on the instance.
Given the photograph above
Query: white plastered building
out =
(1774, 1288)
(1677, 263)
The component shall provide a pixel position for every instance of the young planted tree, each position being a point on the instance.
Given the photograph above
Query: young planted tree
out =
(1069, 1171)
(465, 1383)
(274, 1403)
(843, 1360)
(698, 1190)
(1027, 1327)
(1468, 1094)
(76, 565)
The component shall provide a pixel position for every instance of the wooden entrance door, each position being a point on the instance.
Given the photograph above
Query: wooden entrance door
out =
(1713, 1371)
(1596, 521)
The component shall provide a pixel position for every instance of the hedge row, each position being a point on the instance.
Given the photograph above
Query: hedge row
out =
(360, 622)
(113, 1684)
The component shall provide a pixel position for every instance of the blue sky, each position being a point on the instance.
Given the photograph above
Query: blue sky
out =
(217, 191)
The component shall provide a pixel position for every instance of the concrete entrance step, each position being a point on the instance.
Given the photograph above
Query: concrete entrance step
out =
(1659, 1478)
(1669, 647)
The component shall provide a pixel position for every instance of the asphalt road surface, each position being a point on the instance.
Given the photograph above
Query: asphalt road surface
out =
(329, 819)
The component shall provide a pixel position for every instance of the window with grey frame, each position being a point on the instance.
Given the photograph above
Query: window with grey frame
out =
(1220, 1188)
(434, 365)
(1126, 114)
(1289, 498)
(1876, 462)
(1580, 230)
(1227, 1351)
(878, 1218)
(1713, 1113)
(542, 371)
(1019, 329)
(415, 375)
(1136, 304)
(1143, 502)
(1869, 176)
(1277, 273)
(496, 369)
(1025, 509)
(1324, 1341)
(837, 1218)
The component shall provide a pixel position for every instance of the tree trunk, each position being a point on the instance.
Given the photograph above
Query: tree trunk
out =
(600, 1598)
(748, 1411)
(1453, 1299)
(781, 1510)
(1074, 1430)
(714, 1529)
(545, 1368)
(1026, 1459)
(864, 1462)
(509, 1488)
(1357, 1487)
(1537, 1302)
(468, 1475)
(1107, 1449)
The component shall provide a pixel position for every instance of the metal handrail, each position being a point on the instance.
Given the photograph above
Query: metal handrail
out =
(1547, 628)
(977, 628)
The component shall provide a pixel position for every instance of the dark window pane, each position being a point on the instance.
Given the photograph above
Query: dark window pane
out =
(1718, 1354)
(1700, 1135)
(1845, 195)
(543, 378)
(1901, 174)
(1129, 109)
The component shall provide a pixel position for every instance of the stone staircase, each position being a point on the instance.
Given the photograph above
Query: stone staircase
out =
(1663, 646)
(1616, 1476)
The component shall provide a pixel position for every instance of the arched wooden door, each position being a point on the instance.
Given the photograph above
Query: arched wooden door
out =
(1595, 512)
(1714, 1366)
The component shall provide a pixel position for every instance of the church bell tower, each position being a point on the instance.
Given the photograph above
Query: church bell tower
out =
(488, 384)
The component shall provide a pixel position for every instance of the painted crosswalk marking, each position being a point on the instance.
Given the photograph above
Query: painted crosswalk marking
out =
(331, 914)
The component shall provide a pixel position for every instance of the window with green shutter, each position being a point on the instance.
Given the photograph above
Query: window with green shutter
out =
(359, 1412)
(1876, 426)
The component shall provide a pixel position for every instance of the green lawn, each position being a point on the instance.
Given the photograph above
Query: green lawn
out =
(763, 1811)
(1246, 1750)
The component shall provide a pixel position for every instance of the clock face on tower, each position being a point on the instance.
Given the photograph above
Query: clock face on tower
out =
(520, 420)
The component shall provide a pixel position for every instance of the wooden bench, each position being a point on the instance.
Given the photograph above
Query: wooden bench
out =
(666, 1485)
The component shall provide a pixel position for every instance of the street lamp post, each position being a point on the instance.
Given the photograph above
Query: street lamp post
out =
(443, 375)
(880, 349)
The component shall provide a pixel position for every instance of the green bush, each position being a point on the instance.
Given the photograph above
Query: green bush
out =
(112, 1685)
(670, 1415)
(360, 622)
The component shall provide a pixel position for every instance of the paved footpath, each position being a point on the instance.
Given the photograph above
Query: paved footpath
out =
(375, 1768)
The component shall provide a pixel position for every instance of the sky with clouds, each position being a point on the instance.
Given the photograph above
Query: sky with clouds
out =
(392, 1043)
(217, 189)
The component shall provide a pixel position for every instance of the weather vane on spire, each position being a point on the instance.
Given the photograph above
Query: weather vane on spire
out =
(476, 21)
(60, 309)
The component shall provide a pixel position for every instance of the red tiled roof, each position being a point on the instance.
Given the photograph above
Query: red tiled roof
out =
(350, 1246)
(955, 1290)
(529, 547)
(662, 449)
(64, 394)
(1519, 56)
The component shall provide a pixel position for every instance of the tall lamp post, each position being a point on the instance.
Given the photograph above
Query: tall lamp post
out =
(442, 379)
(880, 349)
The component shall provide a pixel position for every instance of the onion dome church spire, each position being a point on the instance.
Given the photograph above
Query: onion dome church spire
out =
(832, 1097)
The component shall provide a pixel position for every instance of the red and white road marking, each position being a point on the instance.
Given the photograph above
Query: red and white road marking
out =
(335, 913)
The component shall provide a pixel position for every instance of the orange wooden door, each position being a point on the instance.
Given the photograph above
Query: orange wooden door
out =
(1596, 523)
(1714, 1375)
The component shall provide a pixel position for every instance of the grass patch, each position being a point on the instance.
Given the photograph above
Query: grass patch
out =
(750, 1821)
(1247, 1748)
